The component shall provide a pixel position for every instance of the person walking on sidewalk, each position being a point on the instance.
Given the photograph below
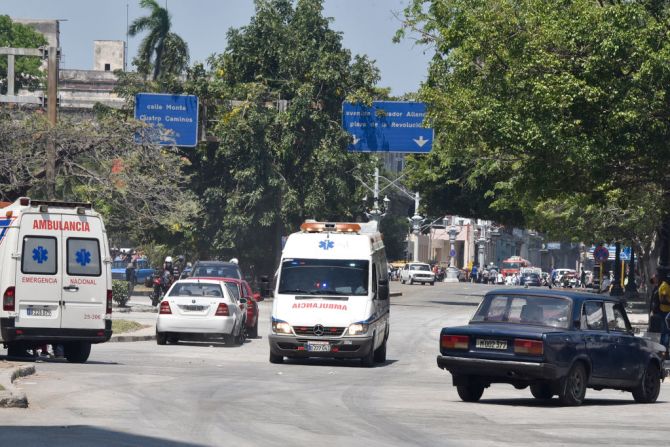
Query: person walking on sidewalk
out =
(131, 277)
(660, 307)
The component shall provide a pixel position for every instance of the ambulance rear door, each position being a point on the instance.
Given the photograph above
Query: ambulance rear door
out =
(84, 273)
(39, 287)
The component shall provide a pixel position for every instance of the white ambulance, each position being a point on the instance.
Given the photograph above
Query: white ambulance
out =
(332, 294)
(55, 277)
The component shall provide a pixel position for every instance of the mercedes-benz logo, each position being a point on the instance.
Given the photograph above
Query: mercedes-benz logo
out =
(318, 330)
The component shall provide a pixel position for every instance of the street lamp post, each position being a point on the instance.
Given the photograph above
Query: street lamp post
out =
(617, 290)
(452, 271)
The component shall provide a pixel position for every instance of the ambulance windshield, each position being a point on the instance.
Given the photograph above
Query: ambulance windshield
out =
(324, 277)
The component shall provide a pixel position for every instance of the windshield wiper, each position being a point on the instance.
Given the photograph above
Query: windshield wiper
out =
(327, 292)
(293, 291)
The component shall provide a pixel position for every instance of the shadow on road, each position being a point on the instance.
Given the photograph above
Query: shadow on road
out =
(31, 359)
(80, 435)
(556, 403)
(455, 303)
(347, 363)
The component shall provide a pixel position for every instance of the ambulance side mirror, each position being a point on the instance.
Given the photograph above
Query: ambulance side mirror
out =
(383, 289)
(265, 287)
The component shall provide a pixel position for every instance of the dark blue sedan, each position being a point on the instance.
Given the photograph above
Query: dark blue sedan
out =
(556, 343)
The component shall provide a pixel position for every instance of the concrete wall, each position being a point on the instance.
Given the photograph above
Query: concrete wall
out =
(48, 27)
(110, 52)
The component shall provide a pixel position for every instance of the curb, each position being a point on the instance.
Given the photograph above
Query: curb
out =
(131, 338)
(11, 397)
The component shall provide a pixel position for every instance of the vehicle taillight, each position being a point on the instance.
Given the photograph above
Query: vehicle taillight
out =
(109, 302)
(165, 308)
(9, 299)
(454, 341)
(528, 347)
(222, 310)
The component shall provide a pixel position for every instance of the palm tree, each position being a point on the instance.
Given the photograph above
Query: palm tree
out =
(171, 51)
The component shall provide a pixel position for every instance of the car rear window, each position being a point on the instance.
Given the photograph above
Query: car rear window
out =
(83, 257)
(522, 309)
(196, 289)
(39, 255)
(219, 271)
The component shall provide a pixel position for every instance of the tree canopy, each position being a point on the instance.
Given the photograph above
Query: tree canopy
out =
(558, 110)
(281, 154)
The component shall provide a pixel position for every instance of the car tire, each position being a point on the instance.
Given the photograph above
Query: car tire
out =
(161, 338)
(646, 392)
(368, 361)
(411, 281)
(173, 339)
(542, 391)
(229, 339)
(572, 388)
(241, 336)
(470, 391)
(77, 352)
(432, 283)
(276, 358)
(402, 281)
(380, 353)
(253, 332)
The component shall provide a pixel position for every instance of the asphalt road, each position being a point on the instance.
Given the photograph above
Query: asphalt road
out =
(141, 394)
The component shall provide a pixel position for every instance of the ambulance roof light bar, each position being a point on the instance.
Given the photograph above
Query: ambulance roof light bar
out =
(311, 226)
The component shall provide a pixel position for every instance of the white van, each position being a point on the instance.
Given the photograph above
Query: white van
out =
(332, 294)
(55, 277)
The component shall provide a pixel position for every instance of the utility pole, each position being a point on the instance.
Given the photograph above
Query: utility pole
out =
(52, 114)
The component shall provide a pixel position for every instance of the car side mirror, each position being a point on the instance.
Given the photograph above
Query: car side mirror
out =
(257, 296)
(383, 290)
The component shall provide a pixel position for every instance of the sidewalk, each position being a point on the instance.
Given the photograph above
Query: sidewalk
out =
(140, 310)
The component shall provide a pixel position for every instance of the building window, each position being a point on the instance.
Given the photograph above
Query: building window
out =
(108, 67)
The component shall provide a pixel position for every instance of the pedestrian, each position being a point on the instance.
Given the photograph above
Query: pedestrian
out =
(474, 273)
(661, 308)
(131, 277)
(582, 279)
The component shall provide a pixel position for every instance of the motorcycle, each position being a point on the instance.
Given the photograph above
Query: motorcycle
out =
(161, 284)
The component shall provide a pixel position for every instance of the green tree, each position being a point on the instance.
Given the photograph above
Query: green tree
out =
(557, 109)
(161, 51)
(27, 69)
(281, 154)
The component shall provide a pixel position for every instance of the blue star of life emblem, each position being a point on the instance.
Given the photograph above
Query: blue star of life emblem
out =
(40, 255)
(327, 244)
(83, 257)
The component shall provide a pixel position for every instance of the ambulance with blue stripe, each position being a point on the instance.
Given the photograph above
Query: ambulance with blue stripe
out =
(55, 277)
(331, 296)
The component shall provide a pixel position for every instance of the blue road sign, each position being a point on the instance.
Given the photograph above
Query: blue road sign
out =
(177, 113)
(387, 126)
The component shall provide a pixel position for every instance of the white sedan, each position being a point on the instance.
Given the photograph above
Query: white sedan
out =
(201, 309)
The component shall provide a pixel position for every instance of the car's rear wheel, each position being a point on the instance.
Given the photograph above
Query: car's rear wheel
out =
(572, 388)
(77, 351)
(276, 358)
(470, 391)
(161, 338)
(432, 283)
(241, 336)
(229, 339)
(542, 391)
(646, 392)
(253, 332)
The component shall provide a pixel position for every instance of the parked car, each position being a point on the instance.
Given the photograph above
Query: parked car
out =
(199, 310)
(417, 272)
(556, 343)
(216, 269)
(530, 279)
(142, 270)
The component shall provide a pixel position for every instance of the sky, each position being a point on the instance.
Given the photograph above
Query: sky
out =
(368, 27)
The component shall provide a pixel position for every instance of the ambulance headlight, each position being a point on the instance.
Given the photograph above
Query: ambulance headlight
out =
(358, 329)
(281, 327)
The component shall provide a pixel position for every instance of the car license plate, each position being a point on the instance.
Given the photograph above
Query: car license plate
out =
(318, 346)
(491, 344)
(193, 308)
(38, 312)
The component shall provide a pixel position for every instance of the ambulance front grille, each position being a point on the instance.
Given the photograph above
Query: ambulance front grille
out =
(327, 331)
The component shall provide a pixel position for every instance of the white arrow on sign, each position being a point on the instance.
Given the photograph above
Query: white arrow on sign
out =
(356, 140)
(421, 141)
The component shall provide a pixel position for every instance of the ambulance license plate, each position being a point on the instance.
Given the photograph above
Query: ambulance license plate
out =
(38, 312)
(318, 346)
